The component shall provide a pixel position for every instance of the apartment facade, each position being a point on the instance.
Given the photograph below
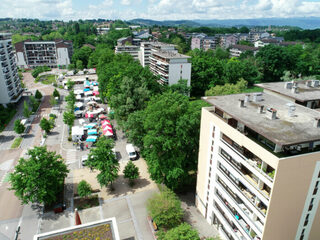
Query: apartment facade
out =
(31, 54)
(259, 168)
(170, 66)
(130, 49)
(144, 53)
(10, 88)
(236, 50)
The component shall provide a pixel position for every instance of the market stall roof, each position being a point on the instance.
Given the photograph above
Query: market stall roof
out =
(78, 112)
(92, 132)
(106, 127)
(86, 90)
(95, 93)
(91, 139)
(78, 91)
(78, 97)
(78, 104)
(91, 103)
(88, 93)
(102, 116)
(89, 115)
(107, 133)
(82, 121)
(77, 131)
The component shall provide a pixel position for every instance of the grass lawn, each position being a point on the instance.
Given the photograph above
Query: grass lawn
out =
(16, 143)
(83, 203)
(253, 89)
(46, 79)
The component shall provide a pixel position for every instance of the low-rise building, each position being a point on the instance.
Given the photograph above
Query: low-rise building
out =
(228, 40)
(259, 168)
(31, 54)
(236, 50)
(10, 86)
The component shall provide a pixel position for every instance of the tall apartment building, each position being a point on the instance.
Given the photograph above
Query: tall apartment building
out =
(130, 49)
(31, 54)
(304, 92)
(144, 53)
(259, 168)
(202, 41)
(10, 88)
(170, 66)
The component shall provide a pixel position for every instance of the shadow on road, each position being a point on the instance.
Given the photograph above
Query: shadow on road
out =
(6, 138)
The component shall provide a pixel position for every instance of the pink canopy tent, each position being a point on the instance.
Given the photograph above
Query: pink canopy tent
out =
(107, 132)
(88, 115)
(95, 93)
(107, 127)
(105, 121)
(102, 116)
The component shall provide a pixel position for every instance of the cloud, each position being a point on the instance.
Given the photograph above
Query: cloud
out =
(158, 9)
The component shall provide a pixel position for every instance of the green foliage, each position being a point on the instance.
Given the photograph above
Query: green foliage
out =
(56, 93)
(16, 143)
(71, 66)
(71, 99)
(70, 84)
(68, 118)
(228, 88)
(46, 125)
(26, 110)
(38, 95)
(131, 172)
(39, 178)
(182, 232)
(81, 57)
(134, 128)
(39, 70)
(34, 103)
(103, 159)
(79, 64)
(53, 101)
(171, 139)
(181, 87)
(18, 127)
(84, 189)
(165, 209)
(6, 114)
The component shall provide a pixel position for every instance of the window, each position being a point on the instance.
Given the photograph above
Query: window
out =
(311, 204)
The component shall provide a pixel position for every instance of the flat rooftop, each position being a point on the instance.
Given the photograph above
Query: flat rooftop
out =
(169, 54)
(305, 93)
(160, 44)
(284, 130)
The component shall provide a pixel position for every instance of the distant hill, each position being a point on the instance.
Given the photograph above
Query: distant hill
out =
(305, 23)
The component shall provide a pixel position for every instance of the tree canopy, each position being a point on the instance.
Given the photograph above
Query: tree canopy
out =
(182, 232)
(39, 178)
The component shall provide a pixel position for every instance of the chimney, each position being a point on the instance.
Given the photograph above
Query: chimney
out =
(260, 108)
(294, 84)
(247, 98)
(291, 110)
(257, 97)
(294, 89)
(315, 83)
(308, 83)
(316, 122)
(241, 103)
(288, 85)
(271, 113)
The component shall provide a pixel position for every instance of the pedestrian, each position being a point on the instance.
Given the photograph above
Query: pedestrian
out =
(87, 146)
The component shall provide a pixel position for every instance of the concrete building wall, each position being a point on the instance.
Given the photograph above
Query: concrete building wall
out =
(63, 57)
(20, 60)
(179, 71)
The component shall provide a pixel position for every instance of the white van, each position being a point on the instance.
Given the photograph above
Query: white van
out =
(131, 152)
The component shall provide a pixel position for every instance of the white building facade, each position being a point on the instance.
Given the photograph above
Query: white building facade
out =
(10, 87)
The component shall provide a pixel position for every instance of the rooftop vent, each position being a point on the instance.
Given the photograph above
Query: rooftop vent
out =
(294, 89)
(308, 83)
(294, 84)
(288, 85)
(257, 97)
(292, 109)
(241, 103)
(316, 122)
(271, 113)
(260, 108)
(247, 98)
(315, 83)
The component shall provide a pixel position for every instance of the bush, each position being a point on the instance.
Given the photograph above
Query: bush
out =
(84, 189)
(52, 116)
(38, 95)
(183, 231)
(35, 73)
(18, 127)
(131, 172)
(165, 209)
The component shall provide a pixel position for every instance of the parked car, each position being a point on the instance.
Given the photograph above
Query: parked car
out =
(131, 152)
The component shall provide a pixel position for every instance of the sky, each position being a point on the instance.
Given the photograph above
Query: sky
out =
(157, 9)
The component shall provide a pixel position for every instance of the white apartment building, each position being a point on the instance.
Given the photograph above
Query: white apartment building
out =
(30, 54)
(144, 53)
(130, 49)
(259, 167)
(170, 66)
(10, 88)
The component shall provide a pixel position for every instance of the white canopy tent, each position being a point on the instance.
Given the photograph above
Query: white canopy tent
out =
(77, 133)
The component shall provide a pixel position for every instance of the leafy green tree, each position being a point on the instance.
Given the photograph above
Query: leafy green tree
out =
(39, 178)
(221, 54)
(103, 159)
(181, 87)
(46, 125)
(134, 128)
(56, 93)
(68, 118)
(228, 88)
(171, 138)
(38, 95)
(131, 172)
(70, 84)
(34, 103)
(71, 99)
(71, 66)
(183, 231)
(79, 64)
(18, 127)
(82, 55)
(273, 61)
(26, 110)
(165, 209)
(206, 70)
(84, 189)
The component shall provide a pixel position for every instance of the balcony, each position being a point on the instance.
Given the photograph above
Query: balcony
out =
(3, 58)
(9, 82)
(242, 189)
(2, 52)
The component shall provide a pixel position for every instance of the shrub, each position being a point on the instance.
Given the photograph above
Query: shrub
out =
(165, 209)
(18, 127)
(183, 231)
(84, 189)
(38, 95)
(35, 73)
(131, 172)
